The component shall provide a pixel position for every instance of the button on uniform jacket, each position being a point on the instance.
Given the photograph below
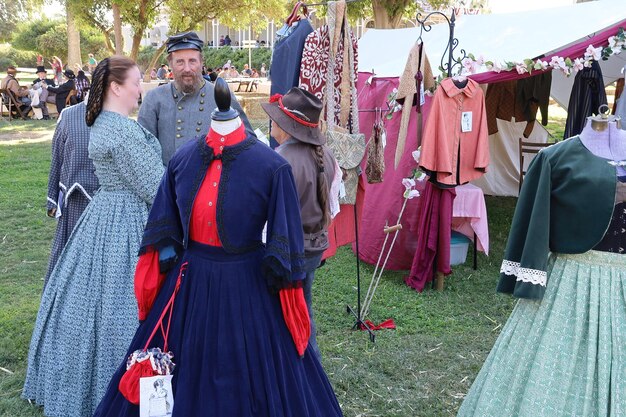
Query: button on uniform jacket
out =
(451, 156)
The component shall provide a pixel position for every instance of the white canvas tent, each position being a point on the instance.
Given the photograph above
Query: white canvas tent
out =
(503, 37)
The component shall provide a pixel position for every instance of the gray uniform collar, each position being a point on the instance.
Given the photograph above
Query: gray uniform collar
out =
(178, 96)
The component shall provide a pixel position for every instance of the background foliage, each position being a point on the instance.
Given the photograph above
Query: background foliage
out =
(16, 57)
(213, 57)
(48, 37)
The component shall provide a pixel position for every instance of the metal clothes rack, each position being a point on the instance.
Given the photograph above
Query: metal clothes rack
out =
(359, 323)
(447, 66)
(452, 41)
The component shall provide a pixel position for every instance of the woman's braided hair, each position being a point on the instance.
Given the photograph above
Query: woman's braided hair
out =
(112, 69)
(322, 183)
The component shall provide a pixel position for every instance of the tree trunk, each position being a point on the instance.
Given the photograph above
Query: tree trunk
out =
(153, 62)
(73, 40)
(117, 28)
(382, 18)
(136, 44)
(107, 41)
(143, 20)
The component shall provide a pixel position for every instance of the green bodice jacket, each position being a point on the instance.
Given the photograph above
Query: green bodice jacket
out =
(565, 206)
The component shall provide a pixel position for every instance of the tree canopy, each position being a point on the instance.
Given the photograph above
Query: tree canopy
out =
(11, 13)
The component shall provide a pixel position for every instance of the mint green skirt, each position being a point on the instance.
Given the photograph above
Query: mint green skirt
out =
(564, 355)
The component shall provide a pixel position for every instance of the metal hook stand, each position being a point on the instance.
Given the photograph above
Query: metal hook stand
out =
(452, 41)
(359, 324)
(452, 62)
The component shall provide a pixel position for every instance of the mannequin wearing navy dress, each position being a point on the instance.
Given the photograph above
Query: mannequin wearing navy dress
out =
(239, 327)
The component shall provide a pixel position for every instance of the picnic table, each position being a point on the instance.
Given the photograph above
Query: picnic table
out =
(248, 83)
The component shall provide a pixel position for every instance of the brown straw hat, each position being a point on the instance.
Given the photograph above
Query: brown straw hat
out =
(297, 113)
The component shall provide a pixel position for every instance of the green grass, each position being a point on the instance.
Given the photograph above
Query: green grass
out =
(25, 238)
(17, 126)
(423, 368)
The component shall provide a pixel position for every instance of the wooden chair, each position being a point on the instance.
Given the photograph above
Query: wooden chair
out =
(69, 100)
(527, 148)
(13, 104)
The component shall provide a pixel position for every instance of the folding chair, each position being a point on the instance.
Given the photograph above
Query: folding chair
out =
(527, 148)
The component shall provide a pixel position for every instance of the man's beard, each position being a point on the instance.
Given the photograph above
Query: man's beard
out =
(188, 86)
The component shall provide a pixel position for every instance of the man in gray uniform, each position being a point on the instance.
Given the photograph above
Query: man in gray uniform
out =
(181, 110)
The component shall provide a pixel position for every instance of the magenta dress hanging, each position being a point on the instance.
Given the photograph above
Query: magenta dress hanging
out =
(433, 236)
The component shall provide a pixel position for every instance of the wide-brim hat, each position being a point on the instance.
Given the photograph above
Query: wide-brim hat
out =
(41, 68)
(185, 40)
(69, 74)
(298, 114)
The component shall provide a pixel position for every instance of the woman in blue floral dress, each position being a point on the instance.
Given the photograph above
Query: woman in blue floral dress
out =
(88, 312)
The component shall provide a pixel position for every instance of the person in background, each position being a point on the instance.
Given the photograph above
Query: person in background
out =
(162, 72)
(22, 94)
(153, 74)
(45, 97)
(39, 60)
(247, 72)
(263, 70)
(61, 92)
(222, 41)
(227, 40)
(211, 74)
(57, 69)
(91, 63)
(82, 85)
(255, 73)
(295, 126)
(88, 313)
(232, 72)
(179, 111)
(72, 181)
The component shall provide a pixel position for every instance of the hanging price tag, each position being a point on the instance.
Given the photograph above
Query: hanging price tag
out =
(466, 121)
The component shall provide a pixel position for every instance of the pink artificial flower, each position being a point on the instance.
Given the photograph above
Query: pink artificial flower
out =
(521, 68)
(612, 42)
(557, 62)
(469, 66)
(578, 65)
(593, 53)
(408, 183)
(416, 155)
(412, 194)
(543, 64)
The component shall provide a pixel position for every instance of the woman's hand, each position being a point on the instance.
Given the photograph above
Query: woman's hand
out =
(52, 212)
